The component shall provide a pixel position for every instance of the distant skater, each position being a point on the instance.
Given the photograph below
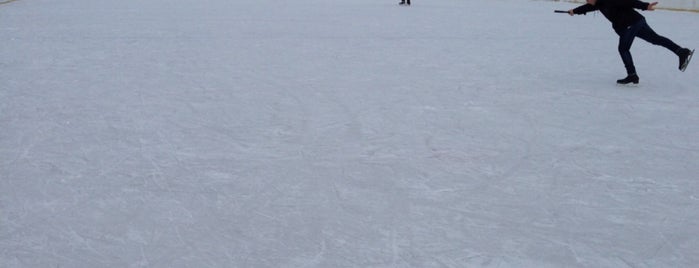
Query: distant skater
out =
(629, 24)
(404, 3)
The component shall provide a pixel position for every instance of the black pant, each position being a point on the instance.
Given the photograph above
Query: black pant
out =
(643, 31)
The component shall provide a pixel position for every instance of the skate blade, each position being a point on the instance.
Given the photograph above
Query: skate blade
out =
(686, 62)
(629, 85)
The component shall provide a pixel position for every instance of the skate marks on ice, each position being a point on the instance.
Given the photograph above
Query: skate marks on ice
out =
(269, 141)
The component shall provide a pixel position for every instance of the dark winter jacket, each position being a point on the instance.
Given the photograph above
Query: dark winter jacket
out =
(621, 13)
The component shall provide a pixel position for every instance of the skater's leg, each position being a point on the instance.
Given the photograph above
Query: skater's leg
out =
(647, 33)
(684, 54)
(626, 37)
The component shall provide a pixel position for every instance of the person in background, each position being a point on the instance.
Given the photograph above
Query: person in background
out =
(629, 24)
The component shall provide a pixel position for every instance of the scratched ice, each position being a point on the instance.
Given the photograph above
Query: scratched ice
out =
(315, 133)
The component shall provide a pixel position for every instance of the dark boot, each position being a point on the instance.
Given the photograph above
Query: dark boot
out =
(632, 78)
(685, 56)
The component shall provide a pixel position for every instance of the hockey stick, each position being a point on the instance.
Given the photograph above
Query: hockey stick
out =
(560, 11)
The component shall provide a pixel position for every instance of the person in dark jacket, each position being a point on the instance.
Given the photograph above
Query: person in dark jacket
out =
(629, 24)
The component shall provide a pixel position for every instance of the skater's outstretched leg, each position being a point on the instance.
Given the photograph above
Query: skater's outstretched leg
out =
(684, 54)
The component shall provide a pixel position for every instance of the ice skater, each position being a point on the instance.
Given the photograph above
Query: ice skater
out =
(629, 24)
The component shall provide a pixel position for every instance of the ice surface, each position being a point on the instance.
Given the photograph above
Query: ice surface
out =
(315, 133)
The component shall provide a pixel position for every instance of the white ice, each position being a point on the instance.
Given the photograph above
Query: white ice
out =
(317, 133)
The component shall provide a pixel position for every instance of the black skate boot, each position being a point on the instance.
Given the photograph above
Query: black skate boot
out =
(685, 56)
(404, 3)
(630, 79)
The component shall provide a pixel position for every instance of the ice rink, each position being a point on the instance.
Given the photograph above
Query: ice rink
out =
(317, 133)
